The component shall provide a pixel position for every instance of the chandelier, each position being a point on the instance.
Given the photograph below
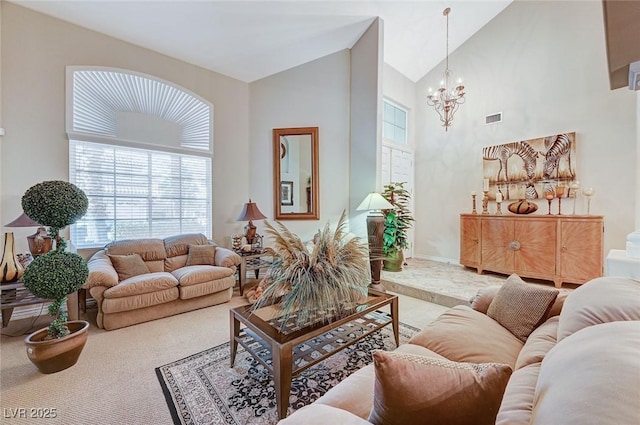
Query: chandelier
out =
(446, 100)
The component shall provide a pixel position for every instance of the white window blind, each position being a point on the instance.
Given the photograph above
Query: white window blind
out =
(137, 193)
(394, 122)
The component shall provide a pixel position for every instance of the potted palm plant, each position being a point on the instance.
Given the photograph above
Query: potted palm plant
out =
(398, 221)
(54, 275)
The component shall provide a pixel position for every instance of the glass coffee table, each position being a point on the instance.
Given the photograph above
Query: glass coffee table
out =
(287, 349)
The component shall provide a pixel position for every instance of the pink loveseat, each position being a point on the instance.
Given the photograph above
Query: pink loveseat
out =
(169, 287)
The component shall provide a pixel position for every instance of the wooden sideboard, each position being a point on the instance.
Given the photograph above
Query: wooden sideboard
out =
(561, 248)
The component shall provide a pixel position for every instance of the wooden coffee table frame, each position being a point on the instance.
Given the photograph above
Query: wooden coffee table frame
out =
(287, 354)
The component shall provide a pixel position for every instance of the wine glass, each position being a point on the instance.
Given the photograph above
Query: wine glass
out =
(574, 188)
(588, 192)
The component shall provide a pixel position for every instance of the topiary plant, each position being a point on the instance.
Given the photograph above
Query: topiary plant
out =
(58, 273)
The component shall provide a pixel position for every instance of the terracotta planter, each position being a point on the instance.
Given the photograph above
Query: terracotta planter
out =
(394, 262)
(54, 355)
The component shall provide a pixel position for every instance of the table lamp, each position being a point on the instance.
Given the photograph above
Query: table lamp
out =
(375, 203)
(250, 212)
(39, 242)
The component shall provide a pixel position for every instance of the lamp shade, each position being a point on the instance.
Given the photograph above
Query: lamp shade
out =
(250, 212)
(374, 201)
(23, 221)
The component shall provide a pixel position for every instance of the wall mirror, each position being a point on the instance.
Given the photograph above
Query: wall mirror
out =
(295, 173)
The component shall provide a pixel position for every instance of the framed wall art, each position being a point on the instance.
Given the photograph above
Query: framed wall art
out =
(529, 168)
(286, 193)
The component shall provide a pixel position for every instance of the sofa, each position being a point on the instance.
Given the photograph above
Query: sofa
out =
(139, 280)
(580, 365)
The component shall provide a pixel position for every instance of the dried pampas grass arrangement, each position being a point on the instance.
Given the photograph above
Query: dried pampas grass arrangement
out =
(331, 277)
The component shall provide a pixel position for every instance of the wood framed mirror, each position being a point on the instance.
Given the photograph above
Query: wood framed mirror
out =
(295, 173)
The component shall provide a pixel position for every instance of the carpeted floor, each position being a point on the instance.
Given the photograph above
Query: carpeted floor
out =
(114, 381)
(203, 389)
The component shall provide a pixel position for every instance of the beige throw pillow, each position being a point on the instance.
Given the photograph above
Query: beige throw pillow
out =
(128, 265)
(521, 307)
(201, 255)
(413, 389)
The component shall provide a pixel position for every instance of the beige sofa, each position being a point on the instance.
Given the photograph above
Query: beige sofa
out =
(579, 367)
(165, 286)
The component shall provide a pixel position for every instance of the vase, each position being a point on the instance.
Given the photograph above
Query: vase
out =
(522, 207)
(394, 262)
(54, 355)
(10, 266)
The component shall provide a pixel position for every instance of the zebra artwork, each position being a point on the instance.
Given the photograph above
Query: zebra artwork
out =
(557, 147)
(502, 153)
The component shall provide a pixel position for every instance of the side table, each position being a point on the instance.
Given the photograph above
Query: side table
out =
(16, 295)
(251, 261)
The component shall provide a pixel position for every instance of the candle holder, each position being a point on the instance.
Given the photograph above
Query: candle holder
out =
(499, 207)
(588, 192)
(549, 196)
(485, 202)
(473, 197)
(574, 188)
(559, 194)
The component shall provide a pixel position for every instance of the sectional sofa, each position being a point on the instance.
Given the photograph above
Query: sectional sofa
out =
(580, 365)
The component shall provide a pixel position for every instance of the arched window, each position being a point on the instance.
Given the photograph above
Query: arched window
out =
(141, 149)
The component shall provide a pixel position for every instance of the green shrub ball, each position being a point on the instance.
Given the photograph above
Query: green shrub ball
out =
(55, 275)
(55, 203)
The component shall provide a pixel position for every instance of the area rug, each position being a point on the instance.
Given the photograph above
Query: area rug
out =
(203, 389)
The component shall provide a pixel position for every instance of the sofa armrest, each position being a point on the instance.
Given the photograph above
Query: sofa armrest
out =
(227, 258)
(483, 298)
(101, 271)
(321, 414)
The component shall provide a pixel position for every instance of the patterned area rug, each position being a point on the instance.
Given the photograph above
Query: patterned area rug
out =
(203, 389)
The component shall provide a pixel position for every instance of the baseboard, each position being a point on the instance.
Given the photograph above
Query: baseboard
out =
(453, 261)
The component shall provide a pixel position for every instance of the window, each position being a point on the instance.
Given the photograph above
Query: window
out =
(141, 150)
(394, 122)
(137, 193)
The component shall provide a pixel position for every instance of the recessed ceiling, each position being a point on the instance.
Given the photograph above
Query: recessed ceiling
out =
(250, 40)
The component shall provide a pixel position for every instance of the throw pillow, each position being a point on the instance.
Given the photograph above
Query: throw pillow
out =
(128, 265)
(412, 389)
(521, 307)
(201, 255)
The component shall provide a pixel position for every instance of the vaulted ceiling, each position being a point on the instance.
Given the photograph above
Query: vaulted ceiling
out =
(250, 40)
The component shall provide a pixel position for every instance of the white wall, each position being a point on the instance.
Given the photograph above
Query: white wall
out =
(366, 121)
(315, 94)
(401, 90)
(543, 64)
(35, 51)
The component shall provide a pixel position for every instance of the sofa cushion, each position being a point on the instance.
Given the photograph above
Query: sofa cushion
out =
(201, 255)
(591, 377)
(142, 284)
(321, 414)
(128, 265)
(517, 402)
(355, 393)
(174, 263)
(462, 334)
(136, 302)
(193, 275)
(601, 300)
(457, 393)
(149, 249)
(206, 288)
(482, 300)
(179, 244)
(521, 307)
(541, 340)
